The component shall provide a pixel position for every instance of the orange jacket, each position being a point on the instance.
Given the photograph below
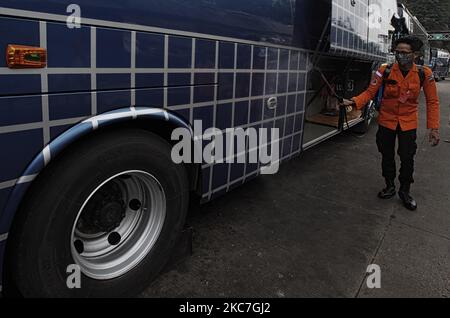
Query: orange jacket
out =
(400, 102)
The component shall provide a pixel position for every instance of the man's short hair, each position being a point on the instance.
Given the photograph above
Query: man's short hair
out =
(415, 43)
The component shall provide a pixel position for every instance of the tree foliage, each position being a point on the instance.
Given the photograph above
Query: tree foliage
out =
(433, 14)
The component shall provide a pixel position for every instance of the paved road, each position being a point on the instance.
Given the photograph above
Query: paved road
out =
(312, 229)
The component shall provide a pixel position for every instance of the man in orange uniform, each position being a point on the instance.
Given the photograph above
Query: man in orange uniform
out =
(399, 115)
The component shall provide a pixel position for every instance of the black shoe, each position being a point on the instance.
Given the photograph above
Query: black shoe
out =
(389, 191)
(407, 200)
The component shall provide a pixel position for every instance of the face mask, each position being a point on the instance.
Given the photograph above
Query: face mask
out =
(404, 59)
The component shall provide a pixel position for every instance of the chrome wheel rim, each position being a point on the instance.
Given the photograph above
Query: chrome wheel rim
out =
(118, 224)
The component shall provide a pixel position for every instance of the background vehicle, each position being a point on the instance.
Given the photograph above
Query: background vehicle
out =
(440, 63)
(86, 176)
(407, 24)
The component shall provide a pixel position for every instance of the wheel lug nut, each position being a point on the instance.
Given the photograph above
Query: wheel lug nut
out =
(79, 246)
(135, 204)
(114, 238)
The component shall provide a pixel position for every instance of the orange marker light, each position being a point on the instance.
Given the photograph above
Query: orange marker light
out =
(21, 56)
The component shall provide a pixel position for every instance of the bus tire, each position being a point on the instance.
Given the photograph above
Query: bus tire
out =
(111, 207)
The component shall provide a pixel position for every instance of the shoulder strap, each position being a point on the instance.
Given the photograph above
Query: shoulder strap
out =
(421, 74)
(387, 71)
(379, 96)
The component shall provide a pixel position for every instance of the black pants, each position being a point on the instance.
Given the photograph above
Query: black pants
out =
(407, 148)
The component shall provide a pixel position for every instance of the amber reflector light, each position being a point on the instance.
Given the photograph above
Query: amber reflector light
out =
(21, 56)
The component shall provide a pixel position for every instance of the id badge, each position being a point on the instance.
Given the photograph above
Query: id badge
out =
(404, 97)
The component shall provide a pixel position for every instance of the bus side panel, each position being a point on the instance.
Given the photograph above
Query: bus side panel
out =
(254, 75)
(94, 70)
(249, 75)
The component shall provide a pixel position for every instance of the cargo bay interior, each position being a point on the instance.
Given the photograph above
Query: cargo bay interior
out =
(347, 43)
(330, 77)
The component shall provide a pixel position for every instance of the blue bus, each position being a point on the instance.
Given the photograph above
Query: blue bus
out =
(91, 92)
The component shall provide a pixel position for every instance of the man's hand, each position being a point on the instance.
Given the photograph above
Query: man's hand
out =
(434, 137)
(348, 102)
